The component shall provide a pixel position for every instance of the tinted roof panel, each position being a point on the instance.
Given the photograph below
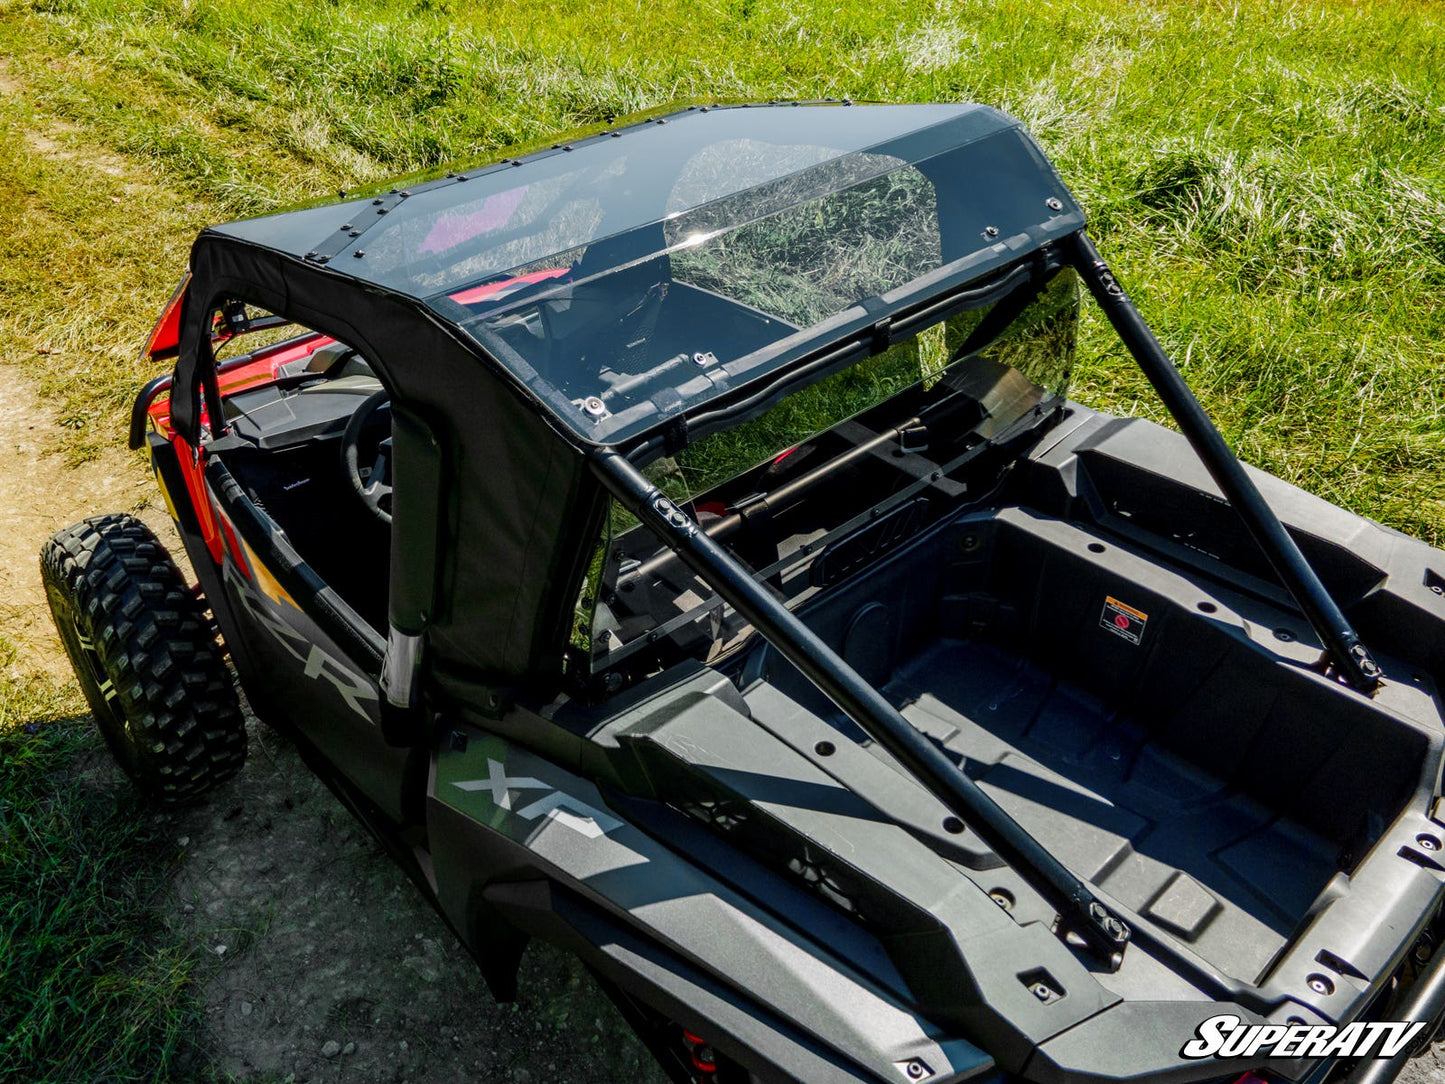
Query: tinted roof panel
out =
(637, 274)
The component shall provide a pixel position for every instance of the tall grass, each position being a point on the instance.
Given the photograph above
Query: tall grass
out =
(1266, 178)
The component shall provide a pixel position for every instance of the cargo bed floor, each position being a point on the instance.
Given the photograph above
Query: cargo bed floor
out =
(1217, 869)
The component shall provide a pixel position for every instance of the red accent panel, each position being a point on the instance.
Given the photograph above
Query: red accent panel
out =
(237, 554)
(492, 289)
(165, 340)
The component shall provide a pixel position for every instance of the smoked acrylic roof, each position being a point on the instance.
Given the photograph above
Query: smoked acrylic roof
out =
(630, 277)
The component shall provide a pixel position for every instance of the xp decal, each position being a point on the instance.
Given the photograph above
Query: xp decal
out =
(1227, 1036)
(556, 805)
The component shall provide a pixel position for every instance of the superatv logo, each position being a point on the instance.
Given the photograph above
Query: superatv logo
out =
(1227, 1036)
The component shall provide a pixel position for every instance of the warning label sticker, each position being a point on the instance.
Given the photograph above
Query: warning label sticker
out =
(1123, 620)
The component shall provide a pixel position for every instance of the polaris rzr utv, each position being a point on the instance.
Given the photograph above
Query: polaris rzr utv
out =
(678, 545)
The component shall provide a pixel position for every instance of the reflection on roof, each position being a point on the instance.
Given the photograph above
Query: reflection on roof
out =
(635, 275)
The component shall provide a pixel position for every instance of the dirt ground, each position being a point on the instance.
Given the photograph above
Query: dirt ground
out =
(320, 961)
(324, 964)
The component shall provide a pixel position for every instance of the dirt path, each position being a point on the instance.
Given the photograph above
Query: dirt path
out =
(39, 494)
(308, 934)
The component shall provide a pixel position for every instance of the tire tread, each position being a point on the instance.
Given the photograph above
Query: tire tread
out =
(114, 580)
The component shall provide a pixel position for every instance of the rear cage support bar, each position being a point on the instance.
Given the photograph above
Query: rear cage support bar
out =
(1351, 660)
(1080, 911)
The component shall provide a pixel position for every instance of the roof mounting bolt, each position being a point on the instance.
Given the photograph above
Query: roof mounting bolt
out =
(461, 176)
(567, 147)
(359, 253)
(1321, 985)
(915, 1070)
(322, 259)
(594, 407)
(1041, 991)
(346, 225)
(992, 231)
(311, 255)
(1053, 203)
(704, 358)
(516, 161)
(355, 233)
(376, 202)
(381, 210)
(405, 193)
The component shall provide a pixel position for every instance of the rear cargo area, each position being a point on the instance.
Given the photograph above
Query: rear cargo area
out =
(1161, 734)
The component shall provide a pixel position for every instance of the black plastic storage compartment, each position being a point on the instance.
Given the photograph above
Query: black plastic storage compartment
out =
(1153, 733)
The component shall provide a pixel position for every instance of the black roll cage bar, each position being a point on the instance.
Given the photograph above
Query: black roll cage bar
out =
(1081, 913)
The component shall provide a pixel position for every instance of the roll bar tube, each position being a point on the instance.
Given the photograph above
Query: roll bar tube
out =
(1351, 660)
(1080, 912)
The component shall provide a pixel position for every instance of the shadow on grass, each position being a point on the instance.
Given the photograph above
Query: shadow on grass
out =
(93, 986)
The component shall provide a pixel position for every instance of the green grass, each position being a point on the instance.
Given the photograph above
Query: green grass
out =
(1266, 178)
(90, 988)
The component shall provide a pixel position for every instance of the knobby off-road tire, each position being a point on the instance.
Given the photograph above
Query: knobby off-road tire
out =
(145, 655)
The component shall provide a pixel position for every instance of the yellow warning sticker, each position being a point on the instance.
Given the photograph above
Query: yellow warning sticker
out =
(1123, 620)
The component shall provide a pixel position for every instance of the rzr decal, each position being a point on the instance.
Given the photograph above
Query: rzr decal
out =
(319, 665)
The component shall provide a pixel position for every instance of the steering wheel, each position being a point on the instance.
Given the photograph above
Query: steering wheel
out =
(374, 488)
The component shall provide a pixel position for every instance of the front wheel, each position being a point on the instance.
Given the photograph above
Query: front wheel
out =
(145, 656)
